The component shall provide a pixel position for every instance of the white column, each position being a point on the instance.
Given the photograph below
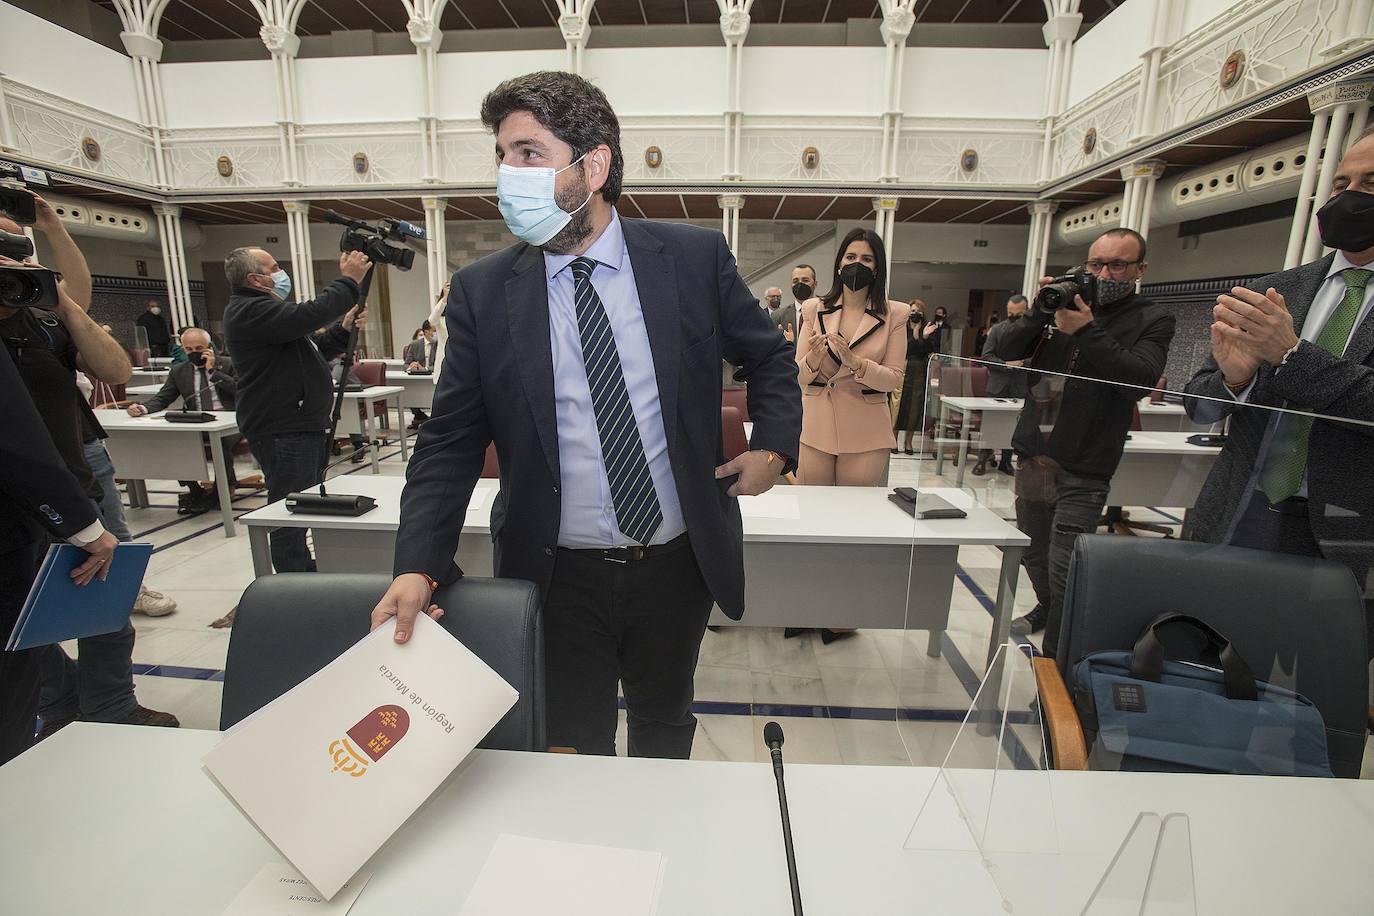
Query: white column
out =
(174, 264)
(1038, 245)
(897, 22)
(1059, 31)
(298, 238)
(734, 28)
(885, 221)
(1336, 108)
(1353, 15)
(1335, 141)
(425, 35)
(1359, 120)
(1297, 233)
(1161, 36)
(436, 244)
(6, 129)
(284, 46)
(144, 53)
(574, 21)
(1141, 178)
(730, 205)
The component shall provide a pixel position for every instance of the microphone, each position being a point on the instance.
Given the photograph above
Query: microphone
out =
(772, 736)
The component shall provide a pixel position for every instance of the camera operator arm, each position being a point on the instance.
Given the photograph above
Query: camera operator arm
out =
(279, 322)
(98, 354)
(1142, 364)
(67, 258)
(1021, 338)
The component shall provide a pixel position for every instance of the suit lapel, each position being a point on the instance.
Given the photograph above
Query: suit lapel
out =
(527, 309)
(656, 283)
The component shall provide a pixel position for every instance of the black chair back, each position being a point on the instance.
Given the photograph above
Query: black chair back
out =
(291, 625)
(1298, 621)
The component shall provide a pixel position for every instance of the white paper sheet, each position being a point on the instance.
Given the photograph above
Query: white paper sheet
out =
(527, 875)
(330, 770)
(279, 890)
(770, 505)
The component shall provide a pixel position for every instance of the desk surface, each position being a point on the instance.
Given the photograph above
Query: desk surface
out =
(1008, 404)
(825, 515)
(149, 833)
(225, 422)
(1157, 442)
(374, 392)
(400, 375)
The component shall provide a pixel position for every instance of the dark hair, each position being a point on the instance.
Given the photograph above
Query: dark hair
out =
(1123, 233)
(239, 263)
(806, 267)
(570, 107)
(877, 293)
(1016, 299)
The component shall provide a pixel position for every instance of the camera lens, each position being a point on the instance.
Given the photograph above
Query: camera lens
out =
(18, 290)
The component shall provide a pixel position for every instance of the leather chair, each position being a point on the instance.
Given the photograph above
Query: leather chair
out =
(370, 373)
(734, 441)
(1298, 622)
(491, 466)
(290, 625)
(737, 398)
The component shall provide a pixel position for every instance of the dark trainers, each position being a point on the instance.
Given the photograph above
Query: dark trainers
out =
(1033, 622)
(142, 715)
(53, 726)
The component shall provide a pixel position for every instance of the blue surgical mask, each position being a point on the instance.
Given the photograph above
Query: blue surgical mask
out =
(526, 199)
(281, 284)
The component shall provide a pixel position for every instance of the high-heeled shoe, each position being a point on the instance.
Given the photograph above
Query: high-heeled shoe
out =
(829, 636)
(794, 632)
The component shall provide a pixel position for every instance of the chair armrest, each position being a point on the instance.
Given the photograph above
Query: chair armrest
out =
(1061, 719)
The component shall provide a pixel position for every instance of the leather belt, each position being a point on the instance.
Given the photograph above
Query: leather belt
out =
(633, 554)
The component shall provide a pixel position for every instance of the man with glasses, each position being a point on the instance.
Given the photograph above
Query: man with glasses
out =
(1093, 362)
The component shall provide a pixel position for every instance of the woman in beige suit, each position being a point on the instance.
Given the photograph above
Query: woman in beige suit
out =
(850, 357)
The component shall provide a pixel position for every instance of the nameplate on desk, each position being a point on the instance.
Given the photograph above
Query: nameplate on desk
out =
(331, 769)
(279, 890)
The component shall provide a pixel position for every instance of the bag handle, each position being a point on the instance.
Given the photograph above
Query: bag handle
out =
(1147, 658)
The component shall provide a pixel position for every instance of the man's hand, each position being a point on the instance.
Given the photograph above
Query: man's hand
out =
(1014, 363)
(138, 410)
(1260, 321)
(46, 218)
(1237, 363)
(354, 265)
(412, 365)
(840, 347)
(1071, 321)
(929, 329)
(788, 334)
(210, 360)
(354, 316)
(408, 595)
(102, 553)
(757, 471)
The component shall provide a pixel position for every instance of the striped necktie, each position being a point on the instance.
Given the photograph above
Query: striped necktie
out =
(637, 512)
(1287, 463)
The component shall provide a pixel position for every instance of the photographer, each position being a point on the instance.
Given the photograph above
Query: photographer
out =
(284, 385)
(1072, 430)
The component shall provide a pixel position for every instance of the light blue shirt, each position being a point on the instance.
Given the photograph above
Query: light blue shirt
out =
(588, 516)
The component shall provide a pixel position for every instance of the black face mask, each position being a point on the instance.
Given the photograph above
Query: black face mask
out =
(197, 358)
(1346, 221)
(774, 303)
(802, 291)
(856, 276)
(917, 318)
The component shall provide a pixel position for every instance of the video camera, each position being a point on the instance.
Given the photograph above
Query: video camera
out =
(372, 240)
(15, 200)
(1060, 291)
(22, 285)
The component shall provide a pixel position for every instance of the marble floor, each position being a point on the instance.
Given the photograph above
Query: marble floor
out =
(838, 703)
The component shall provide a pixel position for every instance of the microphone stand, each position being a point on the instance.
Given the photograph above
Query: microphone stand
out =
(775, 749)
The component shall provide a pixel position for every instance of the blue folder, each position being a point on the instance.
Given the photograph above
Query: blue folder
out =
(58, 609)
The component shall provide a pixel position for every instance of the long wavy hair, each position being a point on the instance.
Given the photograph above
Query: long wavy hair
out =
(877, 293)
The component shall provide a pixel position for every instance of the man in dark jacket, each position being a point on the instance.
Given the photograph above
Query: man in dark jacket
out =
(283, 396)
(1003, 380)
(154, 325)
(1072, 430)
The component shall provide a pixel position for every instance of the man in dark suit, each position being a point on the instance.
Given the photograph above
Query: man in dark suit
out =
(420, 353)
(155, 328)
(204, 382)
(1301, 339)
(1003, 380)
(39, 499)
(590, 354)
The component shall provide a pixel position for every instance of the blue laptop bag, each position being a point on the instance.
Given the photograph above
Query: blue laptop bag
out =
(1142, 711)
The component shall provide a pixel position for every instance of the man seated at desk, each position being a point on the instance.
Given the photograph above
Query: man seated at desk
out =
(203, 382)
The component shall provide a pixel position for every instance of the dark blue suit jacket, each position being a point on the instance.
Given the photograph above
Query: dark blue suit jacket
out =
(497, 385)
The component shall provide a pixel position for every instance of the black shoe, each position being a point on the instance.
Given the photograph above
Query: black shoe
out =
(980, 468)
(357, 456)
(908, 451)
(1005, 467)
(794, 632)
(1033, 622)
(829, 636)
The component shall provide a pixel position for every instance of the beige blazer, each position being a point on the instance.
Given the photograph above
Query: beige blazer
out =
(845, 411)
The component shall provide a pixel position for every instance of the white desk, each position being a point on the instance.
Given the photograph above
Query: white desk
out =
(1161, 469)
(419, 389)
(360, 402)
(144, 448)
(830, 556)
(135, 392)
(154, 836)
(148, 375)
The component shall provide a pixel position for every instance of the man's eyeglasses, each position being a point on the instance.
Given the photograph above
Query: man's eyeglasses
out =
(1115, 268)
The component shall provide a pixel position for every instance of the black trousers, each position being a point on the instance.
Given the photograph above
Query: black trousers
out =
(639, 622)
(291, 462)
(19, 671)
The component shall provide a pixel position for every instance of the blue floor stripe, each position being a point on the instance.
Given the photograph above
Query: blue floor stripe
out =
(1175, 520)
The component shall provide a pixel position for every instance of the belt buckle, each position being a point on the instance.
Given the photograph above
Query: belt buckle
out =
(607, 556)
(636, 553)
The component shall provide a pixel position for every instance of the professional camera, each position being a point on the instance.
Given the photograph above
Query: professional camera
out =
(1059, 292)
(28, 286)
(15, 202)
(372, 240)
(14, 246)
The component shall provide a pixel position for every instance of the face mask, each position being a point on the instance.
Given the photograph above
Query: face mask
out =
(155, 310)
(917, 318)
(774, 303)
(281, 284)
(857, 276)
(1109, 290)
(1346, 221)
(802, 291)
(197, 358)
(527, 202)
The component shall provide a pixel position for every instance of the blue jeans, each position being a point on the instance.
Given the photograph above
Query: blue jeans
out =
(291, 463)
(99, 688)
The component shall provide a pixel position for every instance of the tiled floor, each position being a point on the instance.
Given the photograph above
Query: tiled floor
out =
(838, 703)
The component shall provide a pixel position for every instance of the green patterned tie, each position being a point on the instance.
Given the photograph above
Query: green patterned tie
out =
(1283, 472)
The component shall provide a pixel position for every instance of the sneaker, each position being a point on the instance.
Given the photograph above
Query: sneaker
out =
(153, 604)
(1032, 622)
(142, 715)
